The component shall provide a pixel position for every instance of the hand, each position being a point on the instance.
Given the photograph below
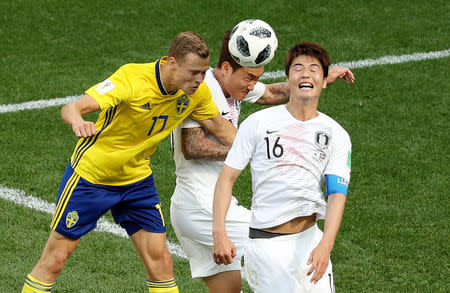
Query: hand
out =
(84, 129)
(224, 250)
(319, 259)
(340, 72)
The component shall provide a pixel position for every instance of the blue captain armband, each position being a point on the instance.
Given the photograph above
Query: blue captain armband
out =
(336, 184)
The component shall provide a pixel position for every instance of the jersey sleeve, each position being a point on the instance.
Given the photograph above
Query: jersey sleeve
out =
(115, 90)
(189, 123)
(337, 172)
(243, 147)
(205, 109)
(257, 92)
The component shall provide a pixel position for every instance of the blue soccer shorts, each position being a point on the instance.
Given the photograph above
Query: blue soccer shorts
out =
(80, 204)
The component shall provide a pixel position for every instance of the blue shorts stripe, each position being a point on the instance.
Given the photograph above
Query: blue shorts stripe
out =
(64, 199)
(67, 186)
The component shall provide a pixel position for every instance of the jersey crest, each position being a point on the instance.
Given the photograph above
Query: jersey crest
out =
(71, 219)
(322, 140)
(182, 104)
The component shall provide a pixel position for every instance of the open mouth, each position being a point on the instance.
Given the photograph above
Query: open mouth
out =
(306, 85)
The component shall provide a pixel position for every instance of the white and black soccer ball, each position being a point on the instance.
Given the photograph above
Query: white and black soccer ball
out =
(252, 43)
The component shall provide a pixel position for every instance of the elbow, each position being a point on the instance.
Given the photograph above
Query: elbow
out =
(186, 153)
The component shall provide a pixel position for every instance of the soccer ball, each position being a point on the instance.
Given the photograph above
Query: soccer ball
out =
(252, 43)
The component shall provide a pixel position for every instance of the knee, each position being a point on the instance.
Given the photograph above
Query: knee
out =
(54, 262)
(161, 256)
(159, 262)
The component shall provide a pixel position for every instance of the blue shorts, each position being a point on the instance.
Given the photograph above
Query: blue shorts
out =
(80, 204)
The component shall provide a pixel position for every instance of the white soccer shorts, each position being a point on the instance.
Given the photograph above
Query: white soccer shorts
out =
(193, 228)
(279, 264)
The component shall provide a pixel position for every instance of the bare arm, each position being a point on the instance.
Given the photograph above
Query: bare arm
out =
(224, 250)
(72, 114)
(220, 128)
(321, 254)
(196, 145)
(276, 93)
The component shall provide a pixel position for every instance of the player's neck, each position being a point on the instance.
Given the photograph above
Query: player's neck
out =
(303, 109)
(218, 77)
(166, 79)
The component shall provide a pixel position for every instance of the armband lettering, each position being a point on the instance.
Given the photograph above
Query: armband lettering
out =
(336, 184)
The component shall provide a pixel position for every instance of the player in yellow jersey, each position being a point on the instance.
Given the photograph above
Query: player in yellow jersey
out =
(140, 104)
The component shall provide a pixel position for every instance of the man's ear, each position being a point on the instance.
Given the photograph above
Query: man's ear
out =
(325, 82)
(226, 67)
(171, 62)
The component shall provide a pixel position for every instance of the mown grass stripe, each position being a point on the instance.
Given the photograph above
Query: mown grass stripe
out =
(385, 60)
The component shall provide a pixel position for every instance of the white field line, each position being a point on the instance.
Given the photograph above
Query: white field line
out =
(373, 62)
(5, 108)
(39, 104)
(20, 197)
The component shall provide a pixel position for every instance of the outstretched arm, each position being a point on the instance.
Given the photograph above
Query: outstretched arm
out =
(72, 114)
(320, 256)
(196, 145)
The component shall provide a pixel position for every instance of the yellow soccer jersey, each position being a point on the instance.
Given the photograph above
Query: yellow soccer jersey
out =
(137, 113)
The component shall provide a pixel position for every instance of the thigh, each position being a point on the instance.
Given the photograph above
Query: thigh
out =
(58, 244)
(280, 263)
(193, 228)
(196, 224)
(267, 265)
(326, 283)
(80, 204)
(140, 208)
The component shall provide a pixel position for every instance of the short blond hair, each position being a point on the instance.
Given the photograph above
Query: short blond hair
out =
(188, 42)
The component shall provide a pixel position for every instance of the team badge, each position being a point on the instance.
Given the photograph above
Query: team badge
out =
(182, 104)
(71, 219)
(322, 140)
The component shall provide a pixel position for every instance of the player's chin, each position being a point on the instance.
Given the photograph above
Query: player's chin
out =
(240, 96)
(191, 90)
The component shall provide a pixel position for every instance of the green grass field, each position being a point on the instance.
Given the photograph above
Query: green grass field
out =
(394, 237)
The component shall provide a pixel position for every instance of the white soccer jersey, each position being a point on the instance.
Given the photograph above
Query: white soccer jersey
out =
(196, 179)
(288, 160)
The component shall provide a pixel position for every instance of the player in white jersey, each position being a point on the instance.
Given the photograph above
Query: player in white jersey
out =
(293, 150)
(199, 160)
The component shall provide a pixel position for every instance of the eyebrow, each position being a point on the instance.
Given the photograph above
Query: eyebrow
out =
(301, 64)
